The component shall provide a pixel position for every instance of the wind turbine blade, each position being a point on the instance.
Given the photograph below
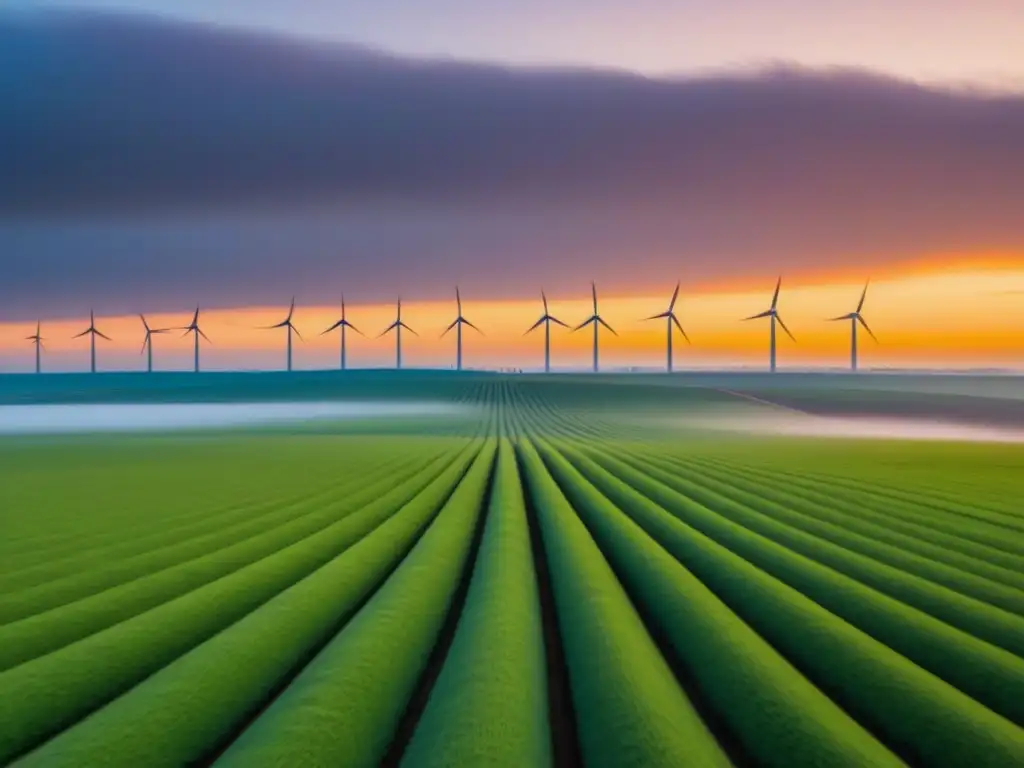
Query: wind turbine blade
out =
(145, 325)
(680, 327)
(410, 330)
(291, 309)
(841, 317)
(585, 323)
(675, 295)
(283, 324)
(544, 298)
(602, 322)
(473, 327)
(445, 331)
(200, 332)
(662, 316)
(593, 290)
(354, 328)
(159, 330)
(102, 335)
(536, 325)
(145, 341)
(195, 317)
(766, 313)
(297, 332)
(557, 321)
(864, 322)
(775, 297)
(186, 333)
(388, 329)
(79, 335)
(458, 300)
(860, 304)
(785, 328)
(336, 325)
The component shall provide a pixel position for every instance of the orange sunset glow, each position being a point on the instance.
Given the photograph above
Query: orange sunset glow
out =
(344, 153)
(940, 318)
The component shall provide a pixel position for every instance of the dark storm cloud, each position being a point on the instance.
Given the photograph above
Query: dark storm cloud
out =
(106, 112)
(438, 171)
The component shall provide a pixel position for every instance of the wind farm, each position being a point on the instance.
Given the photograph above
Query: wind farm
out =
(705, 523)
(622, 328)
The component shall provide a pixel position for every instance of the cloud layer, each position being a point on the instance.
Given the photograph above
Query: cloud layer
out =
(138, 155)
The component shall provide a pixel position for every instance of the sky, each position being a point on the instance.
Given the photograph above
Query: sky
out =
(966, 318)
(226, 155)
(922, 39)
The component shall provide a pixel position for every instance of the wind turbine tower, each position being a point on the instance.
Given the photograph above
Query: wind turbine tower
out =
(773, 313)
(196, 332)
(546, 319)
(397, 327)
(670, 318)
(596, 320)
(147, 342)
(287, 323)
(93, 333)
(37, 340)
(344, 325)
(856, 317)
(457, 324)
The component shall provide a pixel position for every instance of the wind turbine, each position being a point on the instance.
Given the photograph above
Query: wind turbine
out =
(344, 325)
(547, 319)
(196, 332)
(147, 342)
(287, 323)
(457, 324)
(773, 313)
(37, 339)
(854, 318)
(670, 317)
(93, 333)
(597, 321)
(397, 327)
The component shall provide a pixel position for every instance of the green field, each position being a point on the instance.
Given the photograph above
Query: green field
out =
(559, 575)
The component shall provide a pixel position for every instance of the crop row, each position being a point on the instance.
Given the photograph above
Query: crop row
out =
(916, 714)
(46, 695)
(835, 540)
(847, 508)
(81, 579)
(867, 677)
(346, 705)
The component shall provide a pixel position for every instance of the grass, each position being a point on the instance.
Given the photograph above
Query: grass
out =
(406, 590)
